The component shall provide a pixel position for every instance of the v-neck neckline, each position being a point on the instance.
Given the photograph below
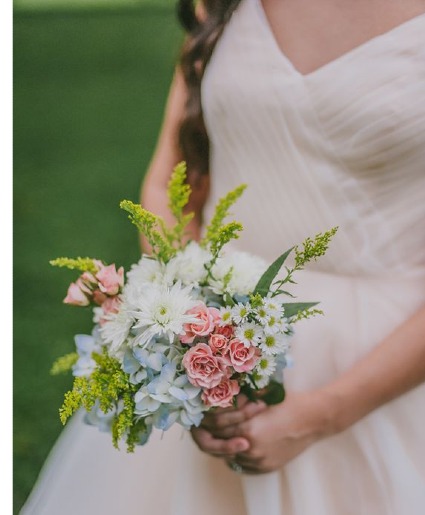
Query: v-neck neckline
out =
(261, 13)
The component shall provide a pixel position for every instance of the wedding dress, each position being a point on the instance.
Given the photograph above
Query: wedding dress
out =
(343, 145)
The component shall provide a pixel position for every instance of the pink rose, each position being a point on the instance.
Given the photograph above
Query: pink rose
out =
(218, 344)
(225, 330)
(110, 281)
(76, 296)
(243, 359)
(221, 395)
(202, 327)
(215, 313)
(202, 367)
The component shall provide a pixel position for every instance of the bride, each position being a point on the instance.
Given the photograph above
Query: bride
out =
(320, 108)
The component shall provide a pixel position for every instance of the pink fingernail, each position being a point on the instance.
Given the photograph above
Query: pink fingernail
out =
(243, 446)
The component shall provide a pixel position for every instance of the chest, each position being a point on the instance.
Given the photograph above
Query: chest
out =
(364, 108)
(312, 34)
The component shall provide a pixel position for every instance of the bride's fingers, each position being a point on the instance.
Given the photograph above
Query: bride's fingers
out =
(220, 420)
(217, 446)
(241, 401)
(226, 432)
(247, 461)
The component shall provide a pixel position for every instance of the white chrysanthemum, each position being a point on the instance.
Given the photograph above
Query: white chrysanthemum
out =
(273, 344)
(147, 270)
(115, 330)
(161, 311)
(188, 266)
(240, 312)
(249, 333)
(245, 271)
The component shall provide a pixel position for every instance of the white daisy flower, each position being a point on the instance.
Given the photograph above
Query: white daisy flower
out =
(261, 314)
(259, 381)
(273, 344)
(265, 367)
(225, 316)
(240, 312)
(249, 333)
(161, 311)
(273, 308)
(274, 325)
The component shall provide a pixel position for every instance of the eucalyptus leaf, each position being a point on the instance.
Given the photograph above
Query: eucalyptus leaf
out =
(265, 281)
(274, 393)
(292, 308)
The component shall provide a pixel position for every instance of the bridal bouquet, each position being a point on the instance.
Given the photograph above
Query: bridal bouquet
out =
(186, 330)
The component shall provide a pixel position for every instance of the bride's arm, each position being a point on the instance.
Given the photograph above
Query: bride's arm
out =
(392, 368)
(154, 197)
(281, 432)
(167, 154)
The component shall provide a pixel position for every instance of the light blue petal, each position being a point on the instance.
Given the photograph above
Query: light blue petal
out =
(130, 364)
(168, 372)
(181, 381)
(141, 355)
(84, 343)
(178, 393)
(191, 391)
(155, 361)
(161, 397)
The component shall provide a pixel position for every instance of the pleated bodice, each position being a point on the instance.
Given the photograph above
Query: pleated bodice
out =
(341, 146)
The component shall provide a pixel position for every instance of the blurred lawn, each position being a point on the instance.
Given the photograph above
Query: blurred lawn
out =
(89, 94)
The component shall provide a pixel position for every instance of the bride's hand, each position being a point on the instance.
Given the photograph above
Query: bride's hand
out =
(217, 434)
(275, 435)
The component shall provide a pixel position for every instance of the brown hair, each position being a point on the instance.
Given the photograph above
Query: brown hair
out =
(202, 36)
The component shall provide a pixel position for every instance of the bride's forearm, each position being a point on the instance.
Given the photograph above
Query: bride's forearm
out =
(392, 368)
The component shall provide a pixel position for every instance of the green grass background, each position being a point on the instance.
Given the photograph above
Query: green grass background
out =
(89, 92)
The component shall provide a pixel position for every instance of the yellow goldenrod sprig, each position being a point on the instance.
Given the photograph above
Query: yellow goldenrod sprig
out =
(313, 248)
(305, 314)
(148, 224)
(221, 211)
(64, 364)
(83, 264)
(178, 192)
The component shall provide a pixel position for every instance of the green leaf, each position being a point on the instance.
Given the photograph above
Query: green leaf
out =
(265, 281)
(249, 392)
(274, 393)
(293, 308)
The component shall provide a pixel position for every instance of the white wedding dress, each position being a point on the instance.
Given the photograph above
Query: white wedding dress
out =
(343, 145)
